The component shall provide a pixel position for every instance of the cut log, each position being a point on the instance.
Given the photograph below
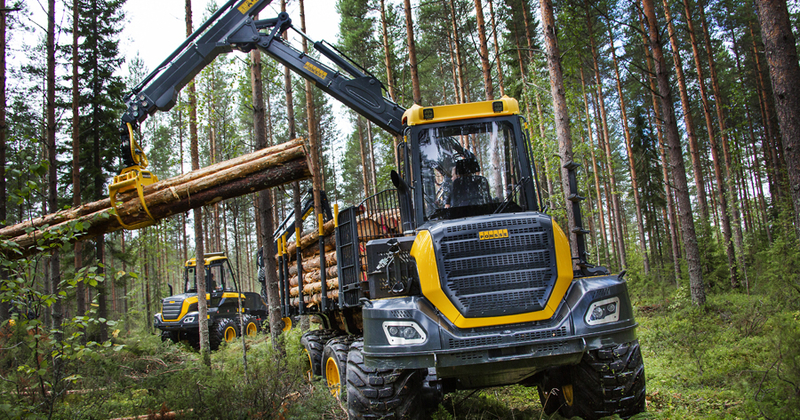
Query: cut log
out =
(313, 276)
(257, 171)
(312, 264)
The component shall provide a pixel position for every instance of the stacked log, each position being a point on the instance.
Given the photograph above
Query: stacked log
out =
(370, 225)
(266, 168)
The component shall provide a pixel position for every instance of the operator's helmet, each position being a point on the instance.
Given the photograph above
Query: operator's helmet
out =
(467, 166)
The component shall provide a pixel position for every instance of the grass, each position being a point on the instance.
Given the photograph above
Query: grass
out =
(736, 358)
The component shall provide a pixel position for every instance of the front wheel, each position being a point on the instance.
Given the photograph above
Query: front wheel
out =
(388, 393)
(223, 331)
(334, 365)
(607, 381)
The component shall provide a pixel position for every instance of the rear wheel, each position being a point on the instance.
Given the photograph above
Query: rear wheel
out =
(314, 343)
(224, 331)
(251, 326)
(389, 393)
(607, 381)
(334, 365)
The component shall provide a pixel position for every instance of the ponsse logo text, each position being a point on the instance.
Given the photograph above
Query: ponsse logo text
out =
(493, 234)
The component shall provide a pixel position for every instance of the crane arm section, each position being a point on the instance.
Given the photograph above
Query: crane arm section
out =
(233, 27)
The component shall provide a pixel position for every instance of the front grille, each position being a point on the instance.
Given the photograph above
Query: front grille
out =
(171, 311)
(496, 277)
(493, 340)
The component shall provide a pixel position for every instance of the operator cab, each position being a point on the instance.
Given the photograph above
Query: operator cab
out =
(219, 276)
(469, 160)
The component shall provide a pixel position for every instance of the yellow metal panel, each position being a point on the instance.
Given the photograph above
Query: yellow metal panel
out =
(246, 6)
(416, 114)
(425, 256)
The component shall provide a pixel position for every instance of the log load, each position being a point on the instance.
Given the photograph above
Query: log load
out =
(266, 168)
(370, 225)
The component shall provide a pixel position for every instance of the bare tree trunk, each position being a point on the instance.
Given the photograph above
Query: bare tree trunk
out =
(202, 304)
(497, 50)
(753, 152)
(80, 291)
(462, 85)
(3, 305)
(634, 181)
(781, 51)
(561, 114)
(694, 148)
(484, 51)
(731, 204)
(671, 212)
(616, 206)
(364, 163)
(387, 60)
(412, 53)
(56, 309)
(264, 200)
(676, 157)
(594, 169)
(721, 195)
(770, 159)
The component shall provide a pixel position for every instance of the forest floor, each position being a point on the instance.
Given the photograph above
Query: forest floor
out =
(738, 357)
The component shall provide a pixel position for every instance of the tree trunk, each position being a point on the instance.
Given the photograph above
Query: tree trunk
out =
(363, 154)
(676, 157)
(387, 60)
(671, 212)
(634, 181)
(730, 176)
(718, 176)
(56, 309)
(3, 305)
(462, 84)
(202, 304)
(76, 168)
(412, 53)
(616, 206)
(496, 50)
(594, 170)
(781, 52)
(694, 148)
(561, 115)
(484, 52)
(770, 160)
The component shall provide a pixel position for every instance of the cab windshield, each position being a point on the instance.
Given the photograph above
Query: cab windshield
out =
(219, 277)
(469, 169)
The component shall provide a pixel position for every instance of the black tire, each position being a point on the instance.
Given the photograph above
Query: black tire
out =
(334, 365)
(220, 332)
(251, 326)
(314, 343)
(384, 394)
(607, 381)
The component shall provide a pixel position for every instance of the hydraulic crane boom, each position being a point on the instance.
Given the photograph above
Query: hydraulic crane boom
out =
(233, 27)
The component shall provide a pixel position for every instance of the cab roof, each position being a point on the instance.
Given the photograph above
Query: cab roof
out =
(417, 115)
(208, 259)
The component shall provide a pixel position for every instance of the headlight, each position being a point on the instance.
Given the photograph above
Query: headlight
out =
(603, 312)
(188, 320)
(403, 332)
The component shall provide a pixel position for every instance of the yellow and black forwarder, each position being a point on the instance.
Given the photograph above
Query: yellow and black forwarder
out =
(456, 279)
(179, 319)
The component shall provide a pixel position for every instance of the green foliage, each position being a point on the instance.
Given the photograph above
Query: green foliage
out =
(142, 375)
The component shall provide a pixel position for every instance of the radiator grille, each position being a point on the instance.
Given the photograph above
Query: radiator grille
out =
(495, 277)
(171, 311)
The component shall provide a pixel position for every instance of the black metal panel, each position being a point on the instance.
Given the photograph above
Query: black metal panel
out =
(494, 277)
(348, 259)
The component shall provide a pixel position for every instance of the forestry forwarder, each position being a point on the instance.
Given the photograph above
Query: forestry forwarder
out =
(473, 286)
(179, 318)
